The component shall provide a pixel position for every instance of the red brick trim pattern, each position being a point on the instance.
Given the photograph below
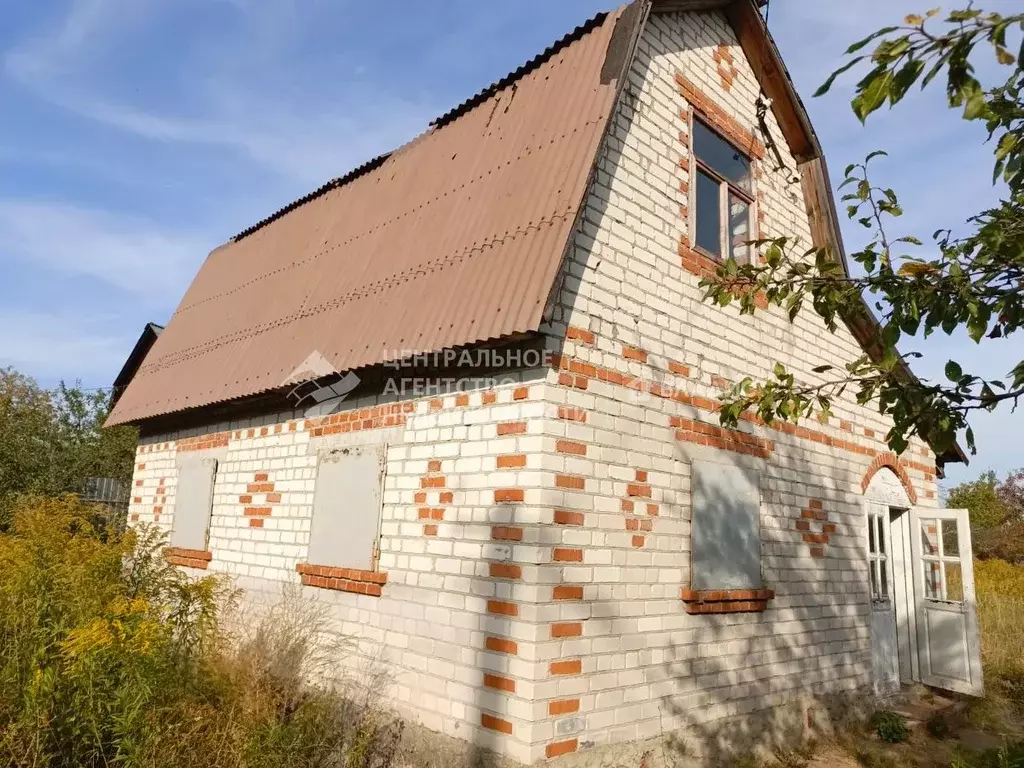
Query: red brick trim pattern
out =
(188, 558)
(342, 579)
(726, 600)
(892, 461)
(203, 442)
(391, 415)
(719, 119)
(699, 433)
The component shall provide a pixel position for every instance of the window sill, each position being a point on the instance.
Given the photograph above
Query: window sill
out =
(726, 600)
(342, 579)
(188, 558)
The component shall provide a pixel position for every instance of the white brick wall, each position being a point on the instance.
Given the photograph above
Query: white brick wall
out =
(557, 564)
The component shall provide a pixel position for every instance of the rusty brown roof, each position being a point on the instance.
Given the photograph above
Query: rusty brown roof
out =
(453, 239)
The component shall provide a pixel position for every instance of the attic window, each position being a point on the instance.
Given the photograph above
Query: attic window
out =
(722, 195)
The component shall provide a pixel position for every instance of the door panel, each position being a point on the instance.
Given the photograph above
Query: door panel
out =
(949, 650)
(884, 646)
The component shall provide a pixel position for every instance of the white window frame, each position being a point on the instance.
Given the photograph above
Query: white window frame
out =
(725, 187)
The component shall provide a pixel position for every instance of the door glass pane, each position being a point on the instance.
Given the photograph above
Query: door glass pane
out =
(739, 229)
(871, 536)
(950, 539)
(874, 578)
(954, 582)
(709, 214)
(881, 535)
(883, 567)
(930, 537)
(933, 581)
(721, 156)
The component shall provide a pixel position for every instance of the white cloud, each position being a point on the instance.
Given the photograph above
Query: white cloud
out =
(129, 253)
(55, 346)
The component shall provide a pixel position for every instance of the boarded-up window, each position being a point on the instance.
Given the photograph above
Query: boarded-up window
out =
(193, 502)
(346, 507)
(725, 532)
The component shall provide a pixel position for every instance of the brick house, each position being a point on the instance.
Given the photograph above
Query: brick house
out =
(466, 396)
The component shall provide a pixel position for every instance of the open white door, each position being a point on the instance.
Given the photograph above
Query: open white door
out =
(947, 614)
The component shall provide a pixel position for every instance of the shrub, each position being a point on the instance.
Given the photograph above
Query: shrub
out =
(109, 655)
(890, 726)
(938, 727)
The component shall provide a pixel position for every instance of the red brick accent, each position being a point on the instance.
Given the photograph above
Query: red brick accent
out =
(203, 442)
(572, 414)
(245, 499)
(437, 481)
(698, 432)
(260, 488)
(255, 522)
(566, 667)
(521, 393)
(507, 495)
(817, 552)
(489, 398)
(273, 498)
(430, 530)
(567, 517)
(892, 461)
(726, 600)
(189, 558)
(720, 120)
(512, 428)
(501, 645)
(257, 511)
(506, 533)
(634, 353)
(499, 683)
(495, 723)
(572, 482)
(512, 461)
(563, 707)
(436, 404)
(568, 629)
(134, 516)
(502, 608)
(434, 465)
(679, 369)
(505, 571)
(391, 415)
(720, 382)
(559, 748)
(567, 555)
(446, 497)
(638, 541)
(567, 592)
(571, 447)
(461, 400)
(581, 335)
(342, 579)
(641, 475)
(639, 489)
(428, 513)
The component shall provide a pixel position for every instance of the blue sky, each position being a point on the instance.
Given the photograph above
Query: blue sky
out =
(139, 134)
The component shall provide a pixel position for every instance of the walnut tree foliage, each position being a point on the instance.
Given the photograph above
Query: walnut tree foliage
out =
(973, 281)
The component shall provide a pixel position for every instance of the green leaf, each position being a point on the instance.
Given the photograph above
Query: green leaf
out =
(861, 43)
(873, 95)
(953, 371)
(904, 79)
(824, 88)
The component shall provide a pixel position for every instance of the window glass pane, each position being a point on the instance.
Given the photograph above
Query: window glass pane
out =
(709, 214)
(950, 539)
(721, 156)
(954, 582)
(933, 581)
(930, 537)
(739, 229)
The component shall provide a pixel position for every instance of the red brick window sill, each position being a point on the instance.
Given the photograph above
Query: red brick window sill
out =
(189, 558)
(699, 601)
(342, 579)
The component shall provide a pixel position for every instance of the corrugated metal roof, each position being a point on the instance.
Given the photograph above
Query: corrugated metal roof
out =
(454, 239)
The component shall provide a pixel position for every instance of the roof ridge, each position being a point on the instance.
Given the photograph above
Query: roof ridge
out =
(437, 123)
